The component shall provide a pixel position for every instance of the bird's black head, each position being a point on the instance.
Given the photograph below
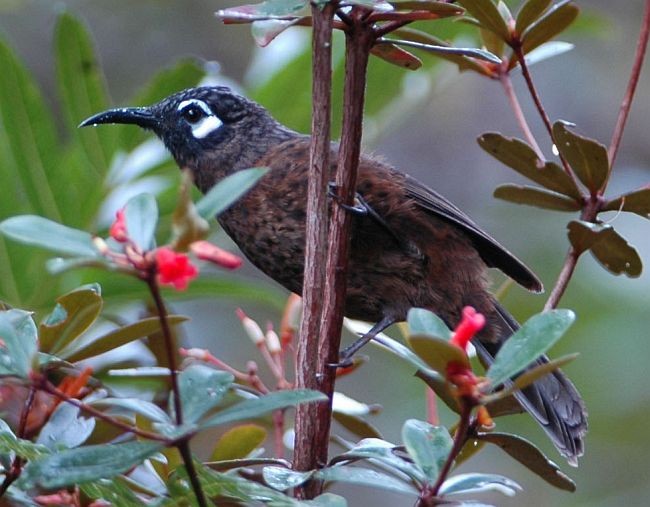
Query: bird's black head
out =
(198, 125)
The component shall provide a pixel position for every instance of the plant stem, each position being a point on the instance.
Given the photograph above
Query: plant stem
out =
(184, 448)
(626, 104)
(563, 279)
(506, 82)
(305, 456)
(17, 465)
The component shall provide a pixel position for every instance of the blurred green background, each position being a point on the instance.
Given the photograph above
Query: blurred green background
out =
(426, 124)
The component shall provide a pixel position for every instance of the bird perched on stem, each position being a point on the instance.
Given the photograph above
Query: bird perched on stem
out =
(410, 247)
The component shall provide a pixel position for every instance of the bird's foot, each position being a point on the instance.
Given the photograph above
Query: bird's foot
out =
(360, 207)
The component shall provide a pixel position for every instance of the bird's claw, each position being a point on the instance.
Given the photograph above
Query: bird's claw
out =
(360, 207)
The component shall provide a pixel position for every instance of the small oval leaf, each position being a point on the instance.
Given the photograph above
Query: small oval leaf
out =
(428, 445)
(529, 13)
(141, 216)
(487, 14)
(531, 196)
(554, 21)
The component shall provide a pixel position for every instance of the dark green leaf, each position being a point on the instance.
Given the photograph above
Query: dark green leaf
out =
(425, 322)
(428, 445)
(609, 248)
(256, 407)
(82, 349)
(225, 193)
(115, 491)
(137, 406)
(23, 448)
(141, 217)
(479, 483)
(531, 457)
(84, 464)
(397, 56)
(357, 425)
(238, 442)
(73, 314)
(364, 477)
(282, 478)
(536, 197)
(587, 158)
(65, 428)
(18, 343)
(522, 158)
(539, 371)
(537, 335)
(487, 14)
(637, 201)
(554, 21)
(529, 13)
(202, 388)
(44, 233)
(82, 89)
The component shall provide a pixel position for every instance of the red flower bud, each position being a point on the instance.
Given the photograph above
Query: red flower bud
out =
(206, 251)
(118, 228)
(174, 268)
(471, 323)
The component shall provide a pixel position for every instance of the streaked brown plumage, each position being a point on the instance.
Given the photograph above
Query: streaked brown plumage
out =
(413, 249)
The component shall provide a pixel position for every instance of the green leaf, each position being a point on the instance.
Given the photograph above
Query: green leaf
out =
(282, 478)
(487, 14)
(23, 448)
(442, 9)
(396, 55)
(609, 248)
(440, 50)
(202, 388)
(252, 408)
(89, 463)
(479, 483)
(425, 322)
(82, 88)
(65, 428)
(538, 197)
(554, 21)
(529, 13)
(264, 10)
(537, 335)
(637, 201)
(44, 233)
(428, 445)
(115, 491)
(81, 349)
(141, 217)
(225, 193)
(73, 314)
(18, 343)
(238, 442)
(437, 353)
(517, 155)
(539, 371)
(440, 386)
(137, 406)
(587, 158)
(357, 425)
(531, 457)
(58, 265)
(364, 477)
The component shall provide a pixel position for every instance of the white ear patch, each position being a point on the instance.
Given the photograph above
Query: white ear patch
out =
(206, 126)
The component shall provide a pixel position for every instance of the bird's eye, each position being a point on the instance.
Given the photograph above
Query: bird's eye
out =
(192, 114)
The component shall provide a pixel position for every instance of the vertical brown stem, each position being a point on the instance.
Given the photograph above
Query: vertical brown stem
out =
(563, 279)
(316, 234)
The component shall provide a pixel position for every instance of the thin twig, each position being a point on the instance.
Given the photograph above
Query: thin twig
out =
(184, 448)
(563, 279)
(506, 82)
(626, 104)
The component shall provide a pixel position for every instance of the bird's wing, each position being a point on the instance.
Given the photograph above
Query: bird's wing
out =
(492, 253)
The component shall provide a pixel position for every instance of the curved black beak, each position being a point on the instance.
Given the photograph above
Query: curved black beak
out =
(140, 116)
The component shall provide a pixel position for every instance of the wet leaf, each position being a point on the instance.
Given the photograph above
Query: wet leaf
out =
(282, 478)
(531, 457)
(587, 158)
(397, 56)
(428, 445)
(202, 388)
(537, 335)
(554, 21)
(73, 314)
(521, 194)
(517, 155)
(479, 483)
(487, 14)
(529, 13)
(609, 248)
(637, 201)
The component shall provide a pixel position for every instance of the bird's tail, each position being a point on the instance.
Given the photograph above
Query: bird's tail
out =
(553, 401)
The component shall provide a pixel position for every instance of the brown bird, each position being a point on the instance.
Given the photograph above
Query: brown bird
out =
(410, 247)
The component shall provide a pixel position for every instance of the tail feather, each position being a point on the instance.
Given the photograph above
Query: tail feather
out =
(553, 401)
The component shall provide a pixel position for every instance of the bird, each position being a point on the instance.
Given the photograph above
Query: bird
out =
(410, 246)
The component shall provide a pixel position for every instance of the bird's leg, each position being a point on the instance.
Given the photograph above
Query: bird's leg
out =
(345, 356)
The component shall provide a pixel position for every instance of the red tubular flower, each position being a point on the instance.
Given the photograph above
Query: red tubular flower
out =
(471, 323)
(118, 228)
(206, 251)
(174, 268)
